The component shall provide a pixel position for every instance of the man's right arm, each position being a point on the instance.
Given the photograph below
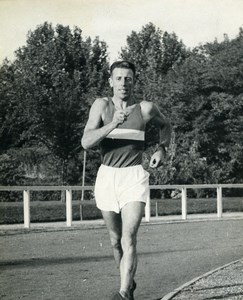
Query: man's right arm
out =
(93, 133)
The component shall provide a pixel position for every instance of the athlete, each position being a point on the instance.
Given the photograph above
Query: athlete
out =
(117, 124)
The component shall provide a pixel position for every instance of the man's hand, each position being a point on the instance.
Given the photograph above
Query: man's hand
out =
(157, 158)
(119, 117)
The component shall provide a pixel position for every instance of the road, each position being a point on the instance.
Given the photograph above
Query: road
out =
(78, 263)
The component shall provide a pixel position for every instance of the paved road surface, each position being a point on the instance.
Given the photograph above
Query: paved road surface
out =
(78, 263)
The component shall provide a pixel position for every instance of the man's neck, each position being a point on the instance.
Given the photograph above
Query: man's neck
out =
(122, 103)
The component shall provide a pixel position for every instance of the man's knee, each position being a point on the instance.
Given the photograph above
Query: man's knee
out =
(115, 241)
(128, 242)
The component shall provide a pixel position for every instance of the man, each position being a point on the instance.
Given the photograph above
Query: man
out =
(122, 185)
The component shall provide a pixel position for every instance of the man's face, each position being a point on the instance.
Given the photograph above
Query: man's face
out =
(122, 83)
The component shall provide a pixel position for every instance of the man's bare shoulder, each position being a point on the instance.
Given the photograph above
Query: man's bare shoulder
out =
(102, 102)
(148, 110)
(146, 106)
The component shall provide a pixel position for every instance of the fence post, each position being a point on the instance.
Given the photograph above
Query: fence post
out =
(83, 182)
(26, 196)
(184, 203)
(147, 210)
(156, 209)
(69, 208)
(219, 202)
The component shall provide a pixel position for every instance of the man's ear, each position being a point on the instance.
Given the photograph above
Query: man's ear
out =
(110, 82)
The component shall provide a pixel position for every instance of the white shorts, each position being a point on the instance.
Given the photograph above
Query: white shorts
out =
(115, 187)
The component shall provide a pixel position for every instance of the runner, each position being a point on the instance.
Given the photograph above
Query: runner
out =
(117, 124)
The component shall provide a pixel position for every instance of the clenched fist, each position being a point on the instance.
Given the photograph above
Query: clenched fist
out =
(157, 159)
(119, 117)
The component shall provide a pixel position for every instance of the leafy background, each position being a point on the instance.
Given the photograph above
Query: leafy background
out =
(46, 93)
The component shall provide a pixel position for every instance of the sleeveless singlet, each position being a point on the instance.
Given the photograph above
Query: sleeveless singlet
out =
(123, 146)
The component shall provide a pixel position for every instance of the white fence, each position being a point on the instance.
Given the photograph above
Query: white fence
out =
(183, 188)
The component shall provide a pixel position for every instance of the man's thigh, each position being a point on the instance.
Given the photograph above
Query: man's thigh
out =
(113, 223)
(131, 215)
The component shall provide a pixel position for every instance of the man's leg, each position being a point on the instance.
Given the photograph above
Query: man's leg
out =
(114, 226)
(131, 214)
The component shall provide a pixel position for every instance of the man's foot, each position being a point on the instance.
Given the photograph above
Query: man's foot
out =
(118, 296)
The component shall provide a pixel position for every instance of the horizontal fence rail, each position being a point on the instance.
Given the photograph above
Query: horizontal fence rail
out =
(68, 190)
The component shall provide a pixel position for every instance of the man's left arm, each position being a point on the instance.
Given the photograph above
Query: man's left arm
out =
(165, 136)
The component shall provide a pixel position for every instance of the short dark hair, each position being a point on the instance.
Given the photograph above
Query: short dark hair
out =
(123, 64)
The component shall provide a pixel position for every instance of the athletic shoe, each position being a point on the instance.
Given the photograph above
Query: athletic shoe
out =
(118, 296)
(133, 288)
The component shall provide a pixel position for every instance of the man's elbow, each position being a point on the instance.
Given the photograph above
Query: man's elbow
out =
(166, 126)
(84, 144)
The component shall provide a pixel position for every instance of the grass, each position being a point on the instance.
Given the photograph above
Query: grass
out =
(51, 211)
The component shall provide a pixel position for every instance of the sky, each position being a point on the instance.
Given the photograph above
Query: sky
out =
(193, 21)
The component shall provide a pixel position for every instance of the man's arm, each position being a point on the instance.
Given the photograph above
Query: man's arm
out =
(93, 133)
(164, 128)
(152, 113)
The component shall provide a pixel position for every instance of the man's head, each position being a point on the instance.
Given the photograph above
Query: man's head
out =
(122, 79)
(123, 64)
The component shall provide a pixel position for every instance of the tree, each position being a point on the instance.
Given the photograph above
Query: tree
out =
(154, 54)
(55, 77)
(207, 112)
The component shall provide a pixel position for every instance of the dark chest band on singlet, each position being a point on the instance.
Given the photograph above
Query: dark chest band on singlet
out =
(123, 146)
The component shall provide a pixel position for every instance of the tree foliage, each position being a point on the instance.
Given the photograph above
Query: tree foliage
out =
(48, 91)
(45, 95)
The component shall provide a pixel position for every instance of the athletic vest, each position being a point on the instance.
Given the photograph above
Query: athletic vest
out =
(123, 146)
